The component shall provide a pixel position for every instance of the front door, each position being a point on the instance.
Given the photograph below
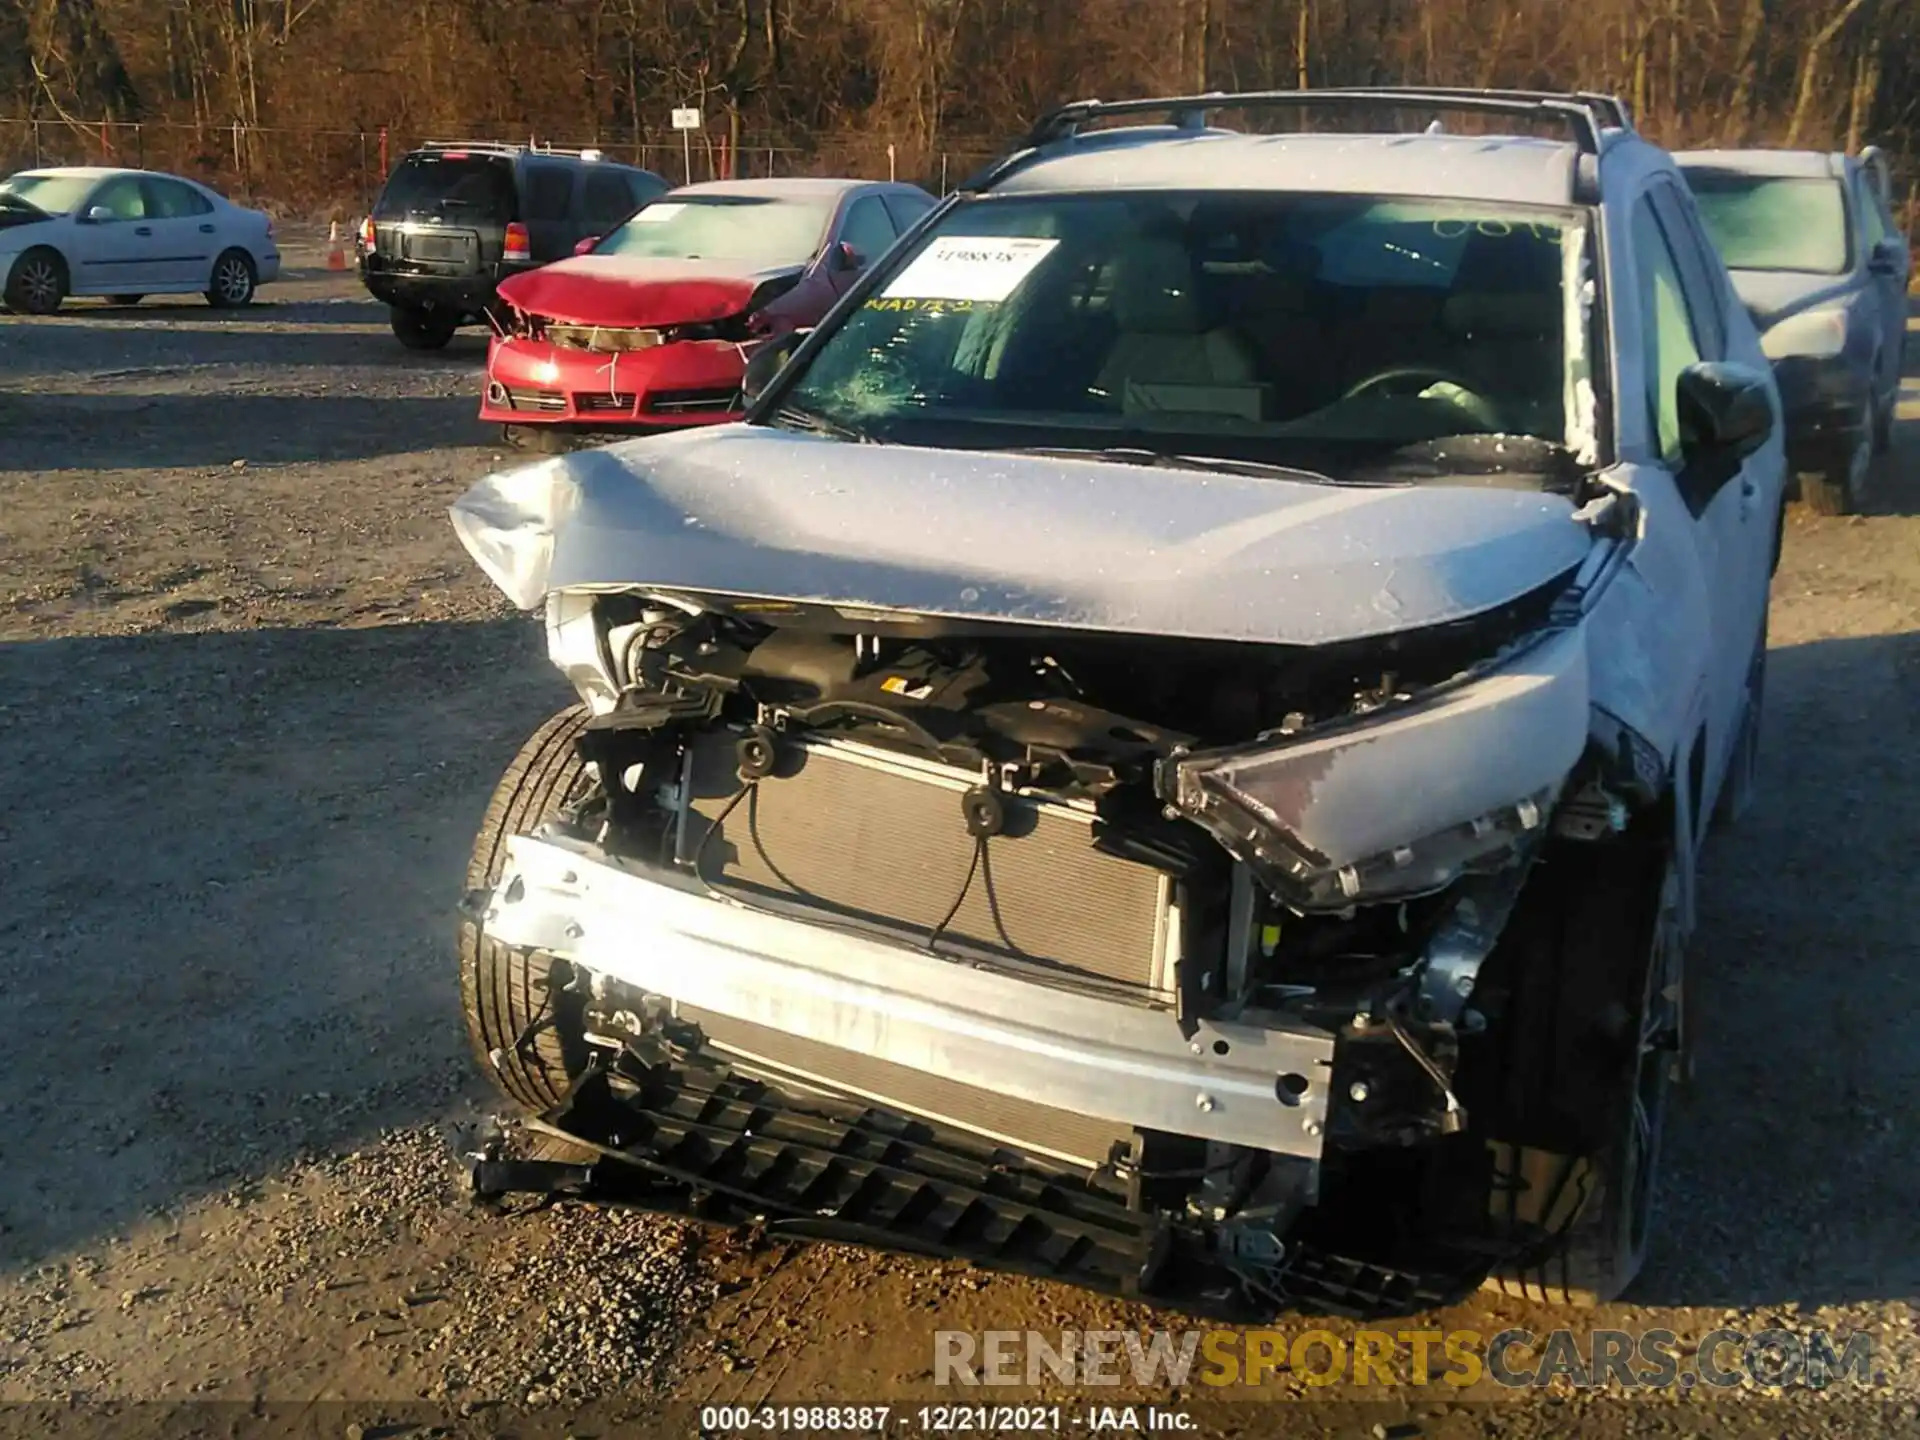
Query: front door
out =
(1681, 323)
(117, 254)
(1885, 261)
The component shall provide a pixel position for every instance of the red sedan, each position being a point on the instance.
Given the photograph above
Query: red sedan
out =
(650, 328)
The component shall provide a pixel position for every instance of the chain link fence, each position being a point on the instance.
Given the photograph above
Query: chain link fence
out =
(336, 173)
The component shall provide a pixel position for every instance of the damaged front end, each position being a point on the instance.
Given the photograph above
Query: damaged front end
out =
(1173, 964)
(592, 351)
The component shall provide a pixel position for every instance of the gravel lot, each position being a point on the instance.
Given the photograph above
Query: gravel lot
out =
(252, 699)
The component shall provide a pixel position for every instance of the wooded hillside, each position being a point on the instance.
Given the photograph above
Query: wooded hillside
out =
(285, 98)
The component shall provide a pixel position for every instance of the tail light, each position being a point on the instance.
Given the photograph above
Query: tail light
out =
(367, 235)
(269, 227)
(517, 246)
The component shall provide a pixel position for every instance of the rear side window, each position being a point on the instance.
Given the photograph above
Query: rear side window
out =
(549, 192)
(455, 186)
(171, 200)
(646, 186)
(608, 201)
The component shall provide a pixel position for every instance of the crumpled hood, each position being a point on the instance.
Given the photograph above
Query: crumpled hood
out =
(750, 510)
(1772, 295)
(632, 290)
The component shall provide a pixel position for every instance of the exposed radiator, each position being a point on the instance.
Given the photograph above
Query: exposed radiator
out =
(860, 833)
(1036, 1130)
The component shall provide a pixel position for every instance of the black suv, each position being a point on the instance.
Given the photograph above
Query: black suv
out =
(454, 219)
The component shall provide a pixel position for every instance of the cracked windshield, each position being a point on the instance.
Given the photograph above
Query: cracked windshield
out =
(1319, 331)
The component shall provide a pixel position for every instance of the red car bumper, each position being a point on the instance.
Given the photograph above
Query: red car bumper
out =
(687, 382)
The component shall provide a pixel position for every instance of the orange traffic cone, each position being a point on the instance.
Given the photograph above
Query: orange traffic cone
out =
(336, 252)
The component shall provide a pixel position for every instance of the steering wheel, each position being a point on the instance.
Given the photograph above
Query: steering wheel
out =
(1461, 393)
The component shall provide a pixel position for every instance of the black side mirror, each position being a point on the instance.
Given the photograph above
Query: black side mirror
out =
(1885, 259)
(1726, 413)
(767, 362)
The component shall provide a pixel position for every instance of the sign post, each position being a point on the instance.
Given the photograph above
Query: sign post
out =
(686, 120)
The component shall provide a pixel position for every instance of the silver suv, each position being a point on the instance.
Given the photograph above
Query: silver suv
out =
(1170, 749)
(1823, 268)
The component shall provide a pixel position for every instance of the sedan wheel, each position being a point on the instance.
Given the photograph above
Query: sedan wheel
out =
(233, 280)
(37, 283)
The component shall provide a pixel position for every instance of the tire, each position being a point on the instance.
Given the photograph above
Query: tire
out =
(525, 1032)
(1610, 1017)
(1838, 489)
(539, 439)
(233, 280)
(420, 329)
(126, 299)
(37, 283)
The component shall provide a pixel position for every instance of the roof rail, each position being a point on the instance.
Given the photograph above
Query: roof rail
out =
(508, 147)
(468, 145)
(1582, 117)
(1610, 107)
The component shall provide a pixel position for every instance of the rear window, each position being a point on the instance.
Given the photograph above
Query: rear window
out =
(466, 187)
(749, 229)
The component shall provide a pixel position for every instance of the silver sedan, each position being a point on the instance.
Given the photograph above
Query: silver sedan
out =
(126, 234)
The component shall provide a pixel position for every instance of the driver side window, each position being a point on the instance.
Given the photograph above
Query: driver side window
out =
(1873, 220)
(1666, 329)
(123, 197)
(868, 229)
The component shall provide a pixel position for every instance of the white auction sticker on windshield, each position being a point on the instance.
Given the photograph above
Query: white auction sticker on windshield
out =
(658, 211)
(970, 267)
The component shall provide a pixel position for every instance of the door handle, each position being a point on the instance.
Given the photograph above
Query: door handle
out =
(206, 229)
(143, 230)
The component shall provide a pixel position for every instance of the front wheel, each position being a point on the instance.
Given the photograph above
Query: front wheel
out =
(1838, 489)
(524, 1025)
(1575, 1182)
(540, 439)
(233, 280)
(37, 283)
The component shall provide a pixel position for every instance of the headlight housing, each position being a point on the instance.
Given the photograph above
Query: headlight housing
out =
(1401, 805)
(1817, 334)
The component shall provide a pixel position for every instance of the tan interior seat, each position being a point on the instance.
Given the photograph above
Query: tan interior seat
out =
(1168, 335)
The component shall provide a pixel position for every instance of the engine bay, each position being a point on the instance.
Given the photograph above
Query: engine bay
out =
(723, 701)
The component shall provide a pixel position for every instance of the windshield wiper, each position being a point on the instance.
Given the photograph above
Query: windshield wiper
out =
(812, 422)
(1160, 459)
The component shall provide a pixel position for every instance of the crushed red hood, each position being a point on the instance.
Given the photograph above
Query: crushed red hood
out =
(631, 290)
